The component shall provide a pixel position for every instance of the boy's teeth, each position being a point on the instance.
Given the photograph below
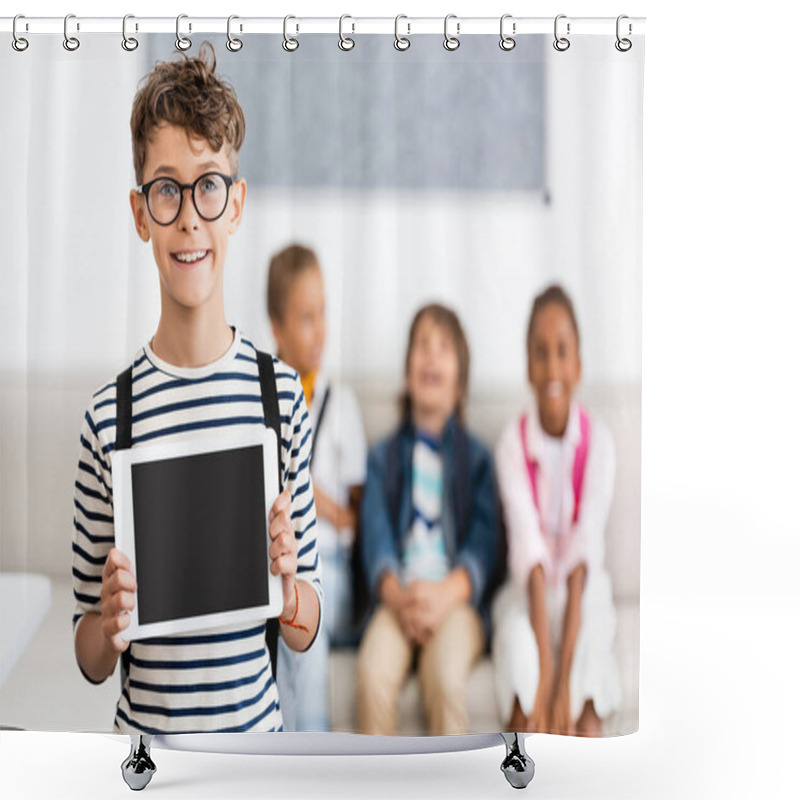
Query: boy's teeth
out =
(188, 258)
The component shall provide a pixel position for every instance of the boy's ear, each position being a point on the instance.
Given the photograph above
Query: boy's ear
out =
(238, 193)
(139, 209)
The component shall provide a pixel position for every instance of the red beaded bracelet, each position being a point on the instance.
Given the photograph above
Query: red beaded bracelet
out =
(291, 622)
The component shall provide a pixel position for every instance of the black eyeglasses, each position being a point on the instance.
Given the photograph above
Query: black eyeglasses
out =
(164, 197)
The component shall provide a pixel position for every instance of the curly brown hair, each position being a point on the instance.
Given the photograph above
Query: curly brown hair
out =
(189, 94)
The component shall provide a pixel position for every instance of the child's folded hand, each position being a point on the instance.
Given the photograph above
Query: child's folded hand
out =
(283, 550)
(408, 622)
(116, 598)
(396, 598)
(430, 603)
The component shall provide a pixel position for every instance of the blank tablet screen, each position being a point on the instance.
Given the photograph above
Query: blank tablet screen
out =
(201, 534)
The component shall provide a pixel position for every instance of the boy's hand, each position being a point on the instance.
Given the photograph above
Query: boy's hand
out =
(432, 601)
(116, 597)
(394, 596)
(409, 622)
(428, 606)
(283, 550)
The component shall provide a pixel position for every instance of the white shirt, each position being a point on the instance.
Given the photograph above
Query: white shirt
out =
(340, 454)
(550, 538)
(424, 553)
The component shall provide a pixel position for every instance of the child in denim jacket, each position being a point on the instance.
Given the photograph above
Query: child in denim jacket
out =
(429, 534)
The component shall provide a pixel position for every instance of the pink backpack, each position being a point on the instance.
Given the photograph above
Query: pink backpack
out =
(578, 466)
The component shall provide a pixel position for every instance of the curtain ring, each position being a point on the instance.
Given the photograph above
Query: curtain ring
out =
(623, 45)
(19, 43)
(181, 42)
(451, 42)
(70, 42)
(289, 44)
(345, 42)
(129, 43)
(561, 43)
(400, 42)
(507, 42)
(233, 44)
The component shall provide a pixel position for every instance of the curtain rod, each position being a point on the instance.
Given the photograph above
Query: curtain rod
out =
(405, 26)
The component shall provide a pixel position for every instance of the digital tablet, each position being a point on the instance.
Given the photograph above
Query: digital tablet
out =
(192, 517)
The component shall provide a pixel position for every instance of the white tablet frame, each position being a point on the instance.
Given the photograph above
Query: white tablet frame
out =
(125, 535)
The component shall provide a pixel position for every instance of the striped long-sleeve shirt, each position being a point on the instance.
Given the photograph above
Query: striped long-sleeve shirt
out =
(218, 679)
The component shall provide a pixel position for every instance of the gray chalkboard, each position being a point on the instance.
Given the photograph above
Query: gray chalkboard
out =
(374, 117)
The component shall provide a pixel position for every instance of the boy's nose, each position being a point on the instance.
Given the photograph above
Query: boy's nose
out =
(188, 217)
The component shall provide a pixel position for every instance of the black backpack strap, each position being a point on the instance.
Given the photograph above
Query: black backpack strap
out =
(124, 409)
(393, 476)
(319, 424)
(123, 442)
(272, 419)
(273, 629)
(269, 402)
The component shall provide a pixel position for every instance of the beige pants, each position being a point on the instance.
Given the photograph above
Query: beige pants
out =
(385, 658)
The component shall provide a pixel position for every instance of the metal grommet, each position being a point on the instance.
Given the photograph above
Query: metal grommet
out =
(451, 42)
(507, 42)
(289, 44)
(623, 45)
(70, 42)
(400, 42)
(181, 42)
(233, 44)
(129, 43)
(19, 43)
(345, 42)
(561, 43)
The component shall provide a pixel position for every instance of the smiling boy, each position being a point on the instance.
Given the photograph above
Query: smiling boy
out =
(195, 376)
(429, 540)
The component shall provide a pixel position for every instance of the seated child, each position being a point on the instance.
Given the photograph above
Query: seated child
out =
(197, 375)
(554, 622)
(429, 531)
(296, 307)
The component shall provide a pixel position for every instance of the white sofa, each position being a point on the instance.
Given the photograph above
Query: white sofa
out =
(24, 600)
(620, 408)
(44, 689)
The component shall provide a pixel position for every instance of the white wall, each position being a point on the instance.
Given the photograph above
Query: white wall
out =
(80, 292)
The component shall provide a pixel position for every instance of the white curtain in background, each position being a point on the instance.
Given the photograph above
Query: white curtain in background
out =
(79, 290)
(473, 178)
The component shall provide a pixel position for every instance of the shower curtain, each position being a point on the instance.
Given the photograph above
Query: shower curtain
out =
(462, 181)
